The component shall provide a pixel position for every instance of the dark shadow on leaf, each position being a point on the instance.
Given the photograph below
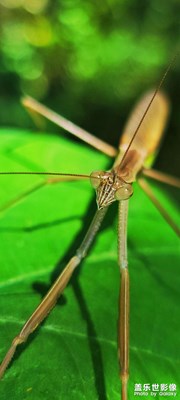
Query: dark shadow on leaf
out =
(33, 228)
(145, 261)
(94, 345)
(43, 289)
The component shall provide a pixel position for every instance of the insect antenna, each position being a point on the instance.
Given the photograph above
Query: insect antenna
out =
(147, 108)
(154, 174)
(52, 178)
(75, 176)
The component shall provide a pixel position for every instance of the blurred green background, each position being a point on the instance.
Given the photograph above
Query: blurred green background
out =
(90, 61)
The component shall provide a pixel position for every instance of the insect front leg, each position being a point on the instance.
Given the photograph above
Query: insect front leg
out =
(52, 296)
(123, 325)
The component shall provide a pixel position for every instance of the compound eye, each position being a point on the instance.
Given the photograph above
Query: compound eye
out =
(95, 178)
(124, 192)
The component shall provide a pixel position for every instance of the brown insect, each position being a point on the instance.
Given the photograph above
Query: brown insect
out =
(139, 141)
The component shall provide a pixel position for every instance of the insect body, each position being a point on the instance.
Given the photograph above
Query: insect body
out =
(137, 147)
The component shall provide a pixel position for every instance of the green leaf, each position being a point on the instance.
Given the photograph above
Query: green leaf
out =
(74, 354)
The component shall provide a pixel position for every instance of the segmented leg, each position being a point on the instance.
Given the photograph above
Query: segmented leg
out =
(49, 181)
(147, 189)
(123, 325)
(52, 296)
(33, 105)
(161, 177)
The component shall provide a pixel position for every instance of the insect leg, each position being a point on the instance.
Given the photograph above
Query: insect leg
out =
(161, 177)
(147, 189)
(22, 196)
(123, 325)
(48, 181)
(34, 106)
(56, 290)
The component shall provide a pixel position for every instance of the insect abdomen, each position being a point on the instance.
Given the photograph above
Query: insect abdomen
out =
(151, 130)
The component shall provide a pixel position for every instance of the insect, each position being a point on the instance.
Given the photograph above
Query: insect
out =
(137, 145)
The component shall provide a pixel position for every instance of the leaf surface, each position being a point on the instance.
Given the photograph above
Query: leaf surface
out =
(74, 354)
